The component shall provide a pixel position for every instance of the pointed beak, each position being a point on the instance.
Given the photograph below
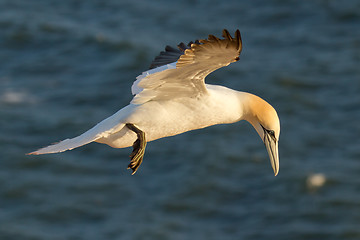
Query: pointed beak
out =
(272, 148)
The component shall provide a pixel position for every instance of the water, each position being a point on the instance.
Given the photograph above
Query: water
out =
(66, 65)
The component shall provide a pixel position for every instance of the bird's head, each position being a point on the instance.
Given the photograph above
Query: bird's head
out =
(265, 120)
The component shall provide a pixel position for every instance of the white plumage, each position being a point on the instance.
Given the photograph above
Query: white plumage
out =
(173, 98)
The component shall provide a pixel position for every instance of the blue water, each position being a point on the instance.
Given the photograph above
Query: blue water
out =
(66, 65)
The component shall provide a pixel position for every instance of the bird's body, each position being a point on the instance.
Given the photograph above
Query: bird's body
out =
(165, 118)
(172, 98)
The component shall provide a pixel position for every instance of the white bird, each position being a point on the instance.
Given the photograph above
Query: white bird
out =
(172, 98)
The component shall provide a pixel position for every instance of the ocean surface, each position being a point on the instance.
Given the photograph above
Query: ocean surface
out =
(66, 65)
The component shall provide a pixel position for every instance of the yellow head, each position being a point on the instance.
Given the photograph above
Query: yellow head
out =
(265, 120)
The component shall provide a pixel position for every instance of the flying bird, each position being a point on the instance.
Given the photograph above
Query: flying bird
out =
(172, 98)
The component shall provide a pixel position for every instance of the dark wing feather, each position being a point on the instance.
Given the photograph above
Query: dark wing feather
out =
(170, 55)
(193, 63)
(215, 52)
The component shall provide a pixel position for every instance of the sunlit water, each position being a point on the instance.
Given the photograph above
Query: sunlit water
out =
(66, 65)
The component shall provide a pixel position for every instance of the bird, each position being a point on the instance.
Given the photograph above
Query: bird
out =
(172, 98)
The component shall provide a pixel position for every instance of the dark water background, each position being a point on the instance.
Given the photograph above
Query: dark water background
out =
(66, 65)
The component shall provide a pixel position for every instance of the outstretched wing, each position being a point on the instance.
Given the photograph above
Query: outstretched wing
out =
(181, 73)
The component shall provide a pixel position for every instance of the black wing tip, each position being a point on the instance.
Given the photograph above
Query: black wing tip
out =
(212, 37)
(168, 56)
(172, 54)
(226, 35)
(237, 38)
(182, 46)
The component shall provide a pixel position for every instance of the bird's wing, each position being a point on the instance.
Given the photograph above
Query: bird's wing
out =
(181, 73)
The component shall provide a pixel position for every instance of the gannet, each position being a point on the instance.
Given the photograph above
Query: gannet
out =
(172, 98)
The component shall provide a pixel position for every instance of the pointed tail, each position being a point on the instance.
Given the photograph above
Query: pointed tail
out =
(103, 129)
(67, 144)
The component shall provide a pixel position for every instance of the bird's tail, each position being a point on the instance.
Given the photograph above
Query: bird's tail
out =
(64, 145)
(100, 130)
(103, 129)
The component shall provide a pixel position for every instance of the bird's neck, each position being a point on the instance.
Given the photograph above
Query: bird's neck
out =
(252, 108)
(236, 106)
(252, 105)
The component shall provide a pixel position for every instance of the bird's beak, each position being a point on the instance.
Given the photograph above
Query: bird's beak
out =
(272, 148)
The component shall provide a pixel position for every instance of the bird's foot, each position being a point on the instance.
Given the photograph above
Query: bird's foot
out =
(139, 145)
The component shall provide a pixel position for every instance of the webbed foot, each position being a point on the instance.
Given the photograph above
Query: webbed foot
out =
(139, 145)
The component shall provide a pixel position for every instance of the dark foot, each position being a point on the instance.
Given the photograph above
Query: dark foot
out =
(139, 145)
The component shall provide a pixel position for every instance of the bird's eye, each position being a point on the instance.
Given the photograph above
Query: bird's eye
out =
(272, 133)
(269, 132)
